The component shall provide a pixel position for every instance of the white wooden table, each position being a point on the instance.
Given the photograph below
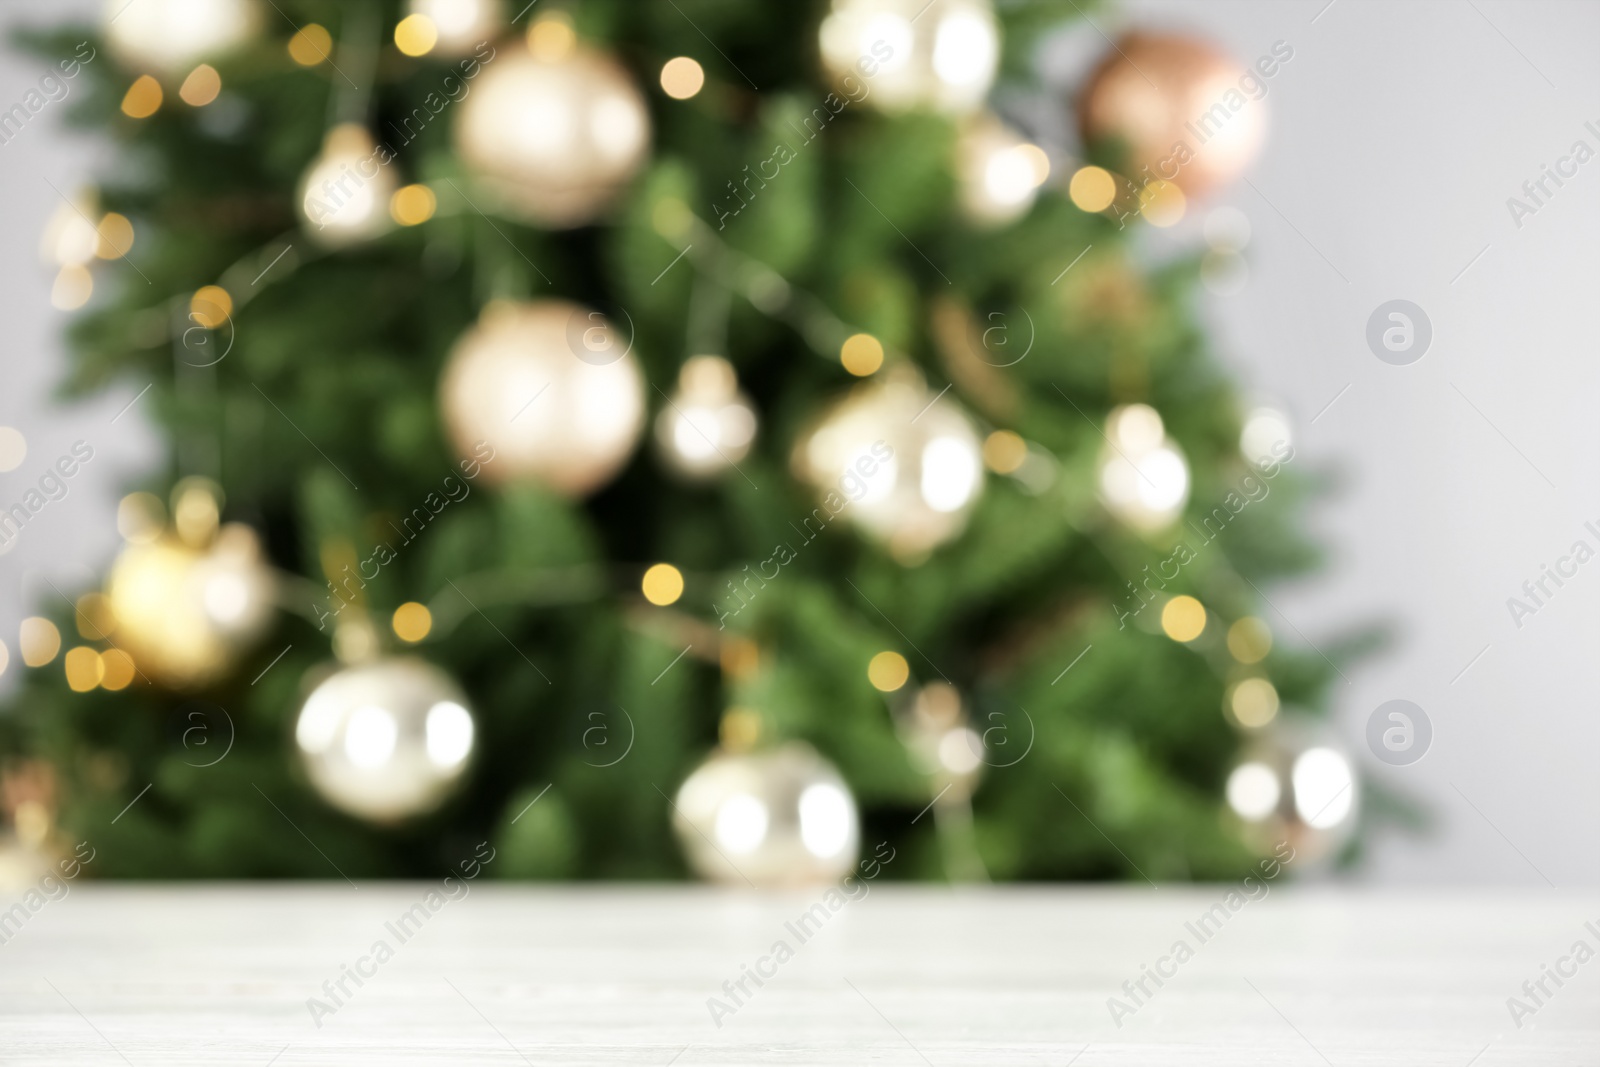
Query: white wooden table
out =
(600, 975)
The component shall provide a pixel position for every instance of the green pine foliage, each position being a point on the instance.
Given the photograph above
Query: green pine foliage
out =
(1130, 746)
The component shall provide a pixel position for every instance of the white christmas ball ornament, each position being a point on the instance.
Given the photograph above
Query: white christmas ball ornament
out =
(1144, 479)
(171, 36)
(553, 134)
(552, 387)
(461, 24)
(385, 740)
(777, 818)
(903, 54)
(1000, 172)
(709, 425)
(903, 463)
(344, 196)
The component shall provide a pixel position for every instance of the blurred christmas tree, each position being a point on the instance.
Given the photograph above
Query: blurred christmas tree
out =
(411, 283)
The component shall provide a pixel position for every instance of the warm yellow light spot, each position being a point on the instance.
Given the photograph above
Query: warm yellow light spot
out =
(115, 235)
(1004, 451)
(551, 38)
(1249, 640)
(95, 622)
(1092, 189)
(1038, 162)
(116, 669)
(740, 729)
(312, 45)
(1183, 618)
(72, 289)
(32, 821)
(740, 657)
(861, 354)
(662, 585)
(140, 517)
(412, 205)
(416, 35)
(39, 641)
(888, 671)
(196, 511)
(671, 217)
(201, 86)
(682, 78)
(143, 98)
(412, 622)
(211, 306)
(1253, 702)
(84, 669)
(1162, 202)
(5, 657)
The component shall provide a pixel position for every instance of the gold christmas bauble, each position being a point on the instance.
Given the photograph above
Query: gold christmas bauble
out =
(555, 132)
(186, 614)
(1143, 477)
(708, 425)
(552, 387)
(385, 740)
(461, 25)
(1000, 171)
(778, 818)
(896, 55)
(1181, 110)
(345, 193)
(901, 462)
(171, 36)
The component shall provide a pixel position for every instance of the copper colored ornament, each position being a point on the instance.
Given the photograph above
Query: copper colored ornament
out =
(1183, 111)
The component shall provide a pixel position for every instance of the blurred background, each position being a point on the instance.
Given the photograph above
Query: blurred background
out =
(1396, 135)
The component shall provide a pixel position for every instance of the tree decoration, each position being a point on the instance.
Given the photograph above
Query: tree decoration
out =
(1294, 784)
(385, 740)
(1000, 171)
(707, 425)
(905, 463)
(903, 54)
(783, 817)
(555, 131)
(171, 36)
(344, 196)
(186, 603)
(551, 387)
(1176, 108)
(461, 25)
(1144, 479)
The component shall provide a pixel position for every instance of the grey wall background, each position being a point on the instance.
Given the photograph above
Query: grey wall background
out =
(1397, 133)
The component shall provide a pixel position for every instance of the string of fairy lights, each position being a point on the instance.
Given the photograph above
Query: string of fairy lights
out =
(553, 132)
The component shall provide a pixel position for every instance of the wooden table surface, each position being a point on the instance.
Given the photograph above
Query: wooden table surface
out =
(222, 974)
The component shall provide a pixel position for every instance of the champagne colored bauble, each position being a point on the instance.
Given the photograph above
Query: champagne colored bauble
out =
(187, 614)
(1000, 171)
(461, 24)
(554, 135)
(1295, 786)
(902, 54)
(385, 740)
(344, 196)
(552, 387)
(708, 425)
(904, 464)
(1144, 479)
(171, 36)
(1182, 111)
(778, 818)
